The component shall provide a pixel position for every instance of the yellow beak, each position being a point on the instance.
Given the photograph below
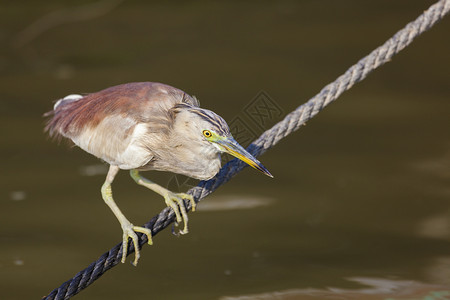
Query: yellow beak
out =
(232, 147)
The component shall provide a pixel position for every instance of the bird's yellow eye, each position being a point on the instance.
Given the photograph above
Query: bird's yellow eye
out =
(207, 133)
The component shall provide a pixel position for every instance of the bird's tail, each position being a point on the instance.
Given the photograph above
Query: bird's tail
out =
(53, 122)
(67, 99)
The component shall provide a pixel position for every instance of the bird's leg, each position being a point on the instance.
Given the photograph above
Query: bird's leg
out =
(173, 200)
(129, 230)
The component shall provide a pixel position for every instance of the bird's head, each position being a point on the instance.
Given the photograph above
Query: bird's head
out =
(211, 131)
(229, 145)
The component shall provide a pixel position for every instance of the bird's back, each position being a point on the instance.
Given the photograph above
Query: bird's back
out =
(110, 123)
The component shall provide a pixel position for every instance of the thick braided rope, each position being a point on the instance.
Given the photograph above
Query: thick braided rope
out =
(268, 139)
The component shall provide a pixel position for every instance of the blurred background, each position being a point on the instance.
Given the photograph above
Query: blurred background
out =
(360, 204)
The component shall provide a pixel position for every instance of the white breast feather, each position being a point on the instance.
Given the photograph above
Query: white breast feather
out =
(135, 156)
(109, 141)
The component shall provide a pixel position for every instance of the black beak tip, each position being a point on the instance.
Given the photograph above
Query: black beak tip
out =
(265, 171)
(268, 174)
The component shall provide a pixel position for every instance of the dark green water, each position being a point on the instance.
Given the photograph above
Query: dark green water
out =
(360, 204)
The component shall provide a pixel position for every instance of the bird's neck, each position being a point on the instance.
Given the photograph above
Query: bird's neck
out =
(196, 161)
(187, 157)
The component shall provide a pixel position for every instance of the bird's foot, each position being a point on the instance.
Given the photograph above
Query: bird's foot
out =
(129, 231)
(175, 201)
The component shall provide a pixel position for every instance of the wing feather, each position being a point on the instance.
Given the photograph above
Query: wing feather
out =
(110, 123)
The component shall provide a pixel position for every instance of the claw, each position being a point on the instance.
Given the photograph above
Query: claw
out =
(175, 201)
(191, 199)
(129, 231)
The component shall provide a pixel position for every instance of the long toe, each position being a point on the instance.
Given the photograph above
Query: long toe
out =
(128, 232)
(190, 198)
(180, 210)
(173, 204)
(145, 231)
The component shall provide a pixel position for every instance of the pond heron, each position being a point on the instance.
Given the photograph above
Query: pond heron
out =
(147, 126)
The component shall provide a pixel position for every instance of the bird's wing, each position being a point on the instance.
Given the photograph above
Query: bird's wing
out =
(109, 123)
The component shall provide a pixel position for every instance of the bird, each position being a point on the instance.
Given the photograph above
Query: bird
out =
(143, 126)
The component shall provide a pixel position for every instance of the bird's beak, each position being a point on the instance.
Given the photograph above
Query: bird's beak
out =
(232, 147)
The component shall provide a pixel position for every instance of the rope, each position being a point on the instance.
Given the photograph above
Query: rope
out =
(268, 139)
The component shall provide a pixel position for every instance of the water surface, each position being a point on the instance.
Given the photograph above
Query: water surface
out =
(359, 206)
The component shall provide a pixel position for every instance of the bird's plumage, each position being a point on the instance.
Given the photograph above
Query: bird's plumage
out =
(131, 126)
(147, 126)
